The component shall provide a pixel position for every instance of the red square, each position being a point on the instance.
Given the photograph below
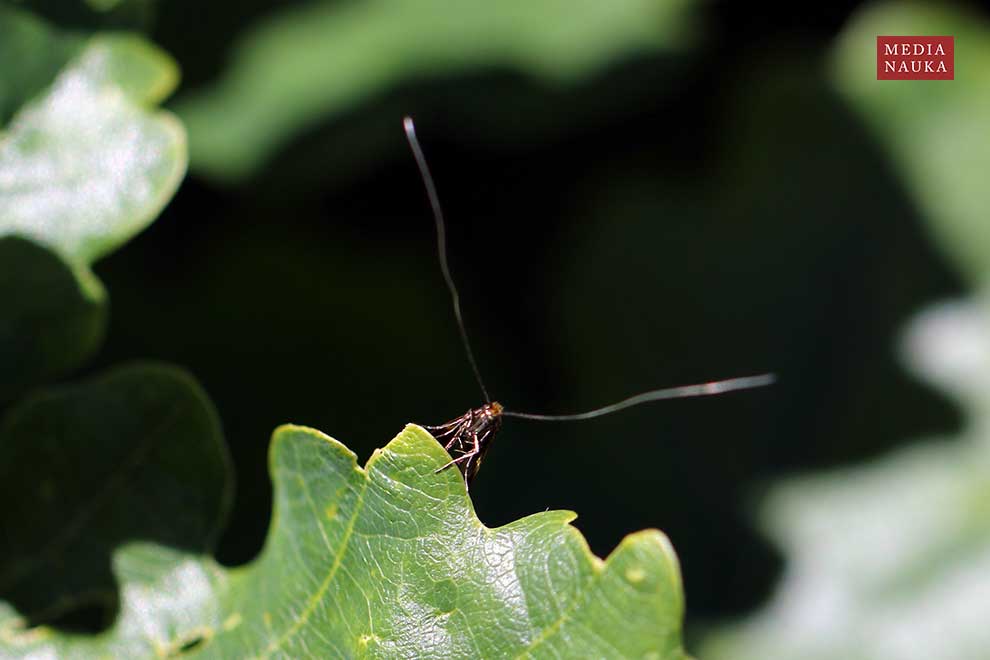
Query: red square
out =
(915, 58)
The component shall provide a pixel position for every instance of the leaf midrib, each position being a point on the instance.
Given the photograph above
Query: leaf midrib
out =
(317, 596)
(92, 506)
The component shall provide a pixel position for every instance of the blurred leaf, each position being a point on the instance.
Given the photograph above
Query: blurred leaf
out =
(167, 603)
(39, 52)
(53, 316)
(86, 166)
(309, 63)
(104, 5)
(83, 167)
(91, 15)
(134, 455)
(392, 562)
(936, 131)
(949, 346)
(891, 560)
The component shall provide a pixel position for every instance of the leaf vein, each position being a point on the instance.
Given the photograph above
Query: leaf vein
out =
(317, 597)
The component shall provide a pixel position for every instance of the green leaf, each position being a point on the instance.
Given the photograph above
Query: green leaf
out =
(134, 455)
(95, 14)
(391, 561)
(54, 315)
(317, 61)
(936, 131)
(39, 52)
(87, 165)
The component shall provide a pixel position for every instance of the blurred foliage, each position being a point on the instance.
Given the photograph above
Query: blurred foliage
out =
(136, 454)
(89, 15)
(53, 317)
(85, 166)
(40, 52)
(889, 560)
(85, 163)
(892, 560)
(935, 133)
(315, 61)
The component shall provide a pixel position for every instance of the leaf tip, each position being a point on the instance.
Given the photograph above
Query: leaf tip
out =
(292, 433)
(415, 438)
(647, 553)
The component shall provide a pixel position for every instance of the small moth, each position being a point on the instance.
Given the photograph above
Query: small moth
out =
(467, 438)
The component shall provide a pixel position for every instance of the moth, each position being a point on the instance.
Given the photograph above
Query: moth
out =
(468, 437)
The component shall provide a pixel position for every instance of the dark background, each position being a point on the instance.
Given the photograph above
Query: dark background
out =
(671, 220)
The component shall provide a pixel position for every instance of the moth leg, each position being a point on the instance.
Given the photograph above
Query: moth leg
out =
(467, 471)
(474, 462)
(452, 423)
(457, 433)
(457, 460)
(452, 430)
(465, 456)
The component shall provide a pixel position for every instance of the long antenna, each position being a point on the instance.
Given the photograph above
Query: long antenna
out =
(431, 192)
(701, 389)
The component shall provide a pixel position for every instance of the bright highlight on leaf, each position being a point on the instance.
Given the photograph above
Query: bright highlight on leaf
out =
(86, 165)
